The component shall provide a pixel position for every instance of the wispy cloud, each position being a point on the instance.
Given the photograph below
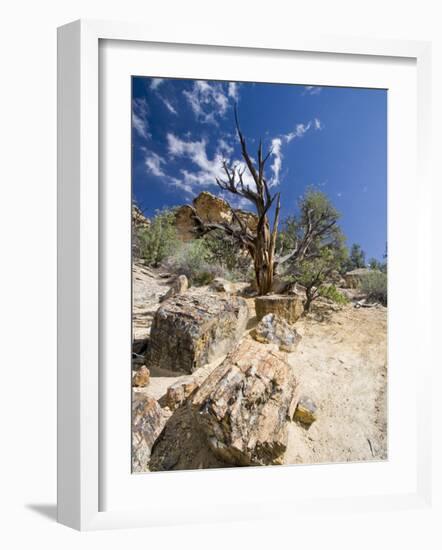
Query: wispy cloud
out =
(207, 169)
(154, 163)
(209, 102)
(155, 82)
(312, 90)
(169, 105)
(140, 111)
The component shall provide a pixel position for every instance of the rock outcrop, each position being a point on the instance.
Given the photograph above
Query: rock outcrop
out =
(289, 307)
(192, 329)
(353, 279)
(274, 330)
(245, 404)
(210, 209)
(148, 420)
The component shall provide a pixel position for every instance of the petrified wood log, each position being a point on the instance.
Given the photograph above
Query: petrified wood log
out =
(192, 329)
(245, 405)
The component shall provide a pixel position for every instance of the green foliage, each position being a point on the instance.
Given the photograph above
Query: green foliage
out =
(194, 259)
(332, 293)
(376, 265)
(315, 210)
(374, 286)
(356, 259)
(159, 240)
(314, 272)
(223, 250)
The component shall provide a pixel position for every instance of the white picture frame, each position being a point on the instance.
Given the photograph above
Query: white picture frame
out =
(79, 275)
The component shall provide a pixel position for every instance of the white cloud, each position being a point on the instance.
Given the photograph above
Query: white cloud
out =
(169, 106)
(207, 169)
(277, 160)
(298, 132)
(153, 163)
(312, 90)
(318, 124)
(207, 101)
(155, 82)
(224, 146)
(140, 111)
(233, 90)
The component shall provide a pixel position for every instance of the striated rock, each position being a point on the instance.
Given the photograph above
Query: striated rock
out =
(274, 330)
(221, 285)
(141, 377)
(305, 411)
(244, 406)
(179, 286)
(192, 329)
(289, 308)
(148, 420)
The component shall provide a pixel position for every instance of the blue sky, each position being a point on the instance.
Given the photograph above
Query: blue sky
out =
(331, 137)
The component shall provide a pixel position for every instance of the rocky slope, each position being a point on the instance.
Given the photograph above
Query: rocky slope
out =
(340, 361)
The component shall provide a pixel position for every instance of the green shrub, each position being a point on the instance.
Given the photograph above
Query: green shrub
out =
(160, 239)
(194, 260)
(374, 286)
(332, 293)
(225, 252)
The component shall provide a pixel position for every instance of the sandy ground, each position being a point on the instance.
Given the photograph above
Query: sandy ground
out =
(341, 362)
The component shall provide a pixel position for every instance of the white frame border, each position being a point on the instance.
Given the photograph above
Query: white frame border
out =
(78, 261)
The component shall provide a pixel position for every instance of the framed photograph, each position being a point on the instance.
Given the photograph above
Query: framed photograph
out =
(234, 276)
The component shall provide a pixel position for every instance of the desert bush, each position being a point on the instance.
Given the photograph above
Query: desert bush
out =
(374, 286)
(332, 293)
(160, 239)
(225, 252)
(194, 259)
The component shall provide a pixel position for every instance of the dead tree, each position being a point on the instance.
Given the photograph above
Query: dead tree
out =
(260, 243)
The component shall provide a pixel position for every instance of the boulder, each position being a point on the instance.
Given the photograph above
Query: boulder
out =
(305, 411)
(179, 286)
(221, 285)
(148, 421)
(274, 330)
(245, 405)
(192, 329)
(141, 377)
(289, 308)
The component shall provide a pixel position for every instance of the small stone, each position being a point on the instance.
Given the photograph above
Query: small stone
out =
(179, 286)
(221, 285)
(305, 411)
(141, 377)
(178, 393)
